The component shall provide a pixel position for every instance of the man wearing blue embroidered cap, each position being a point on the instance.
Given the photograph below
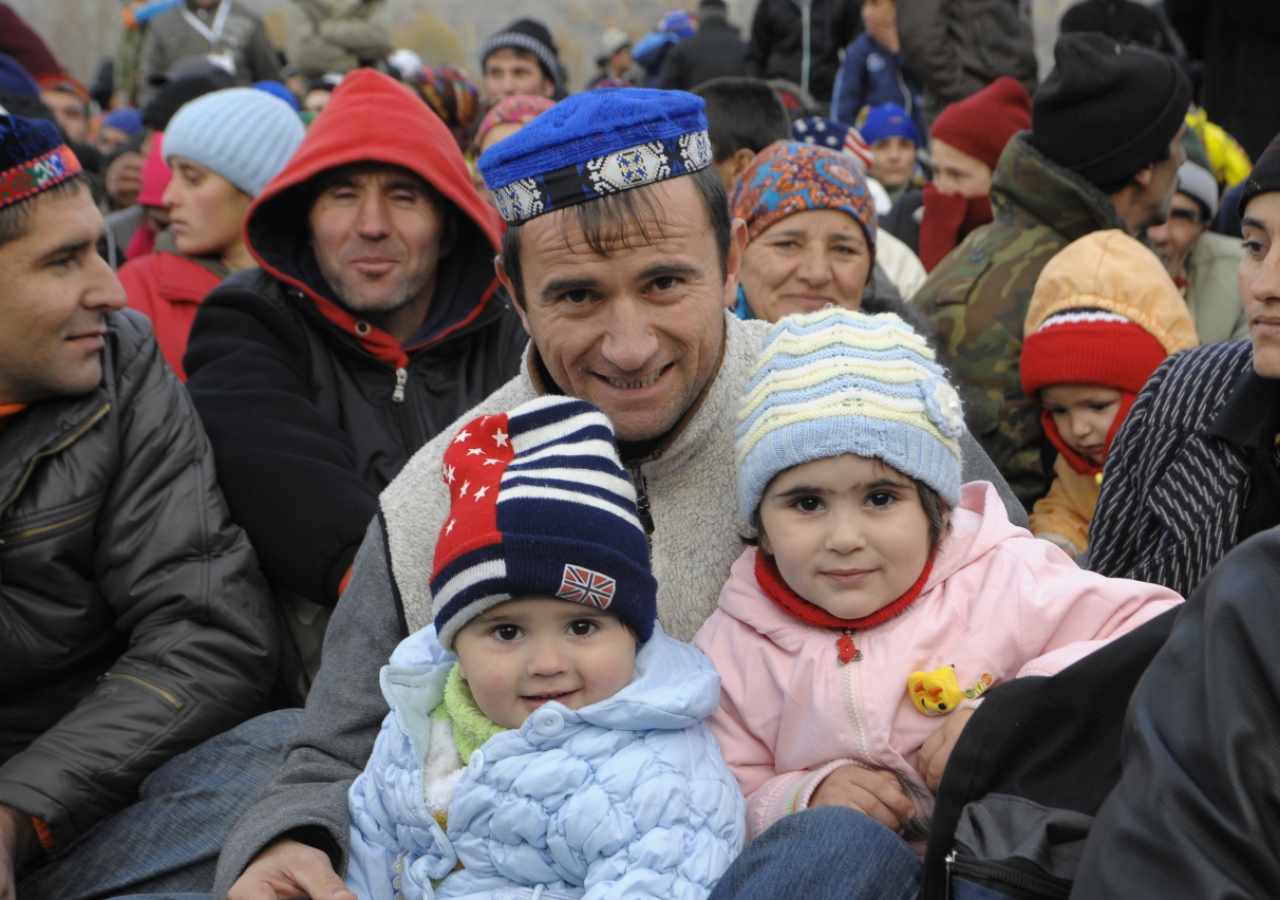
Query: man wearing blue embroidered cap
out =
(623, 262)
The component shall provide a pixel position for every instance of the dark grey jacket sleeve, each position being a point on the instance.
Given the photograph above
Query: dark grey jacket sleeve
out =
(184, 585)
(1197, 810)
(308, 796)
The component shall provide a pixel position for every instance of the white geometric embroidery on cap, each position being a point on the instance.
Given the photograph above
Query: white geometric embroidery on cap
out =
(519, 200)
(633, 167)
(695, 150)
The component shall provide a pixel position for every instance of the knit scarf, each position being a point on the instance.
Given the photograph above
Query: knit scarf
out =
(471, 728)
(948, 219)
(786, 599)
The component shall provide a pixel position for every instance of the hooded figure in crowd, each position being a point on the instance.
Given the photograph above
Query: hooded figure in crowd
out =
(374, 321)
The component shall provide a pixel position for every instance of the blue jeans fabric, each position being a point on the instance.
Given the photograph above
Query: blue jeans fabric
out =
(827, 853)
(166, 844)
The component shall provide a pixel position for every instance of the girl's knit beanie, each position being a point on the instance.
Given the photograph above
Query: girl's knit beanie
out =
(841, 381)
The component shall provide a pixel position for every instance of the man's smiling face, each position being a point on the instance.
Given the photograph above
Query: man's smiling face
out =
(637, 333)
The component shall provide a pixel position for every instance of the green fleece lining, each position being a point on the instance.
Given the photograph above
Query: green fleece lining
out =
(471, 728)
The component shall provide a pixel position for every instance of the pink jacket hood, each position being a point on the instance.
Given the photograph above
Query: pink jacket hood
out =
(998, 603)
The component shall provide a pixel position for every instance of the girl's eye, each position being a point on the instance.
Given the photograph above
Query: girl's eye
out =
(506, 632)
(880, 499)
(1255, 249)
(582, 627)
(807, 504)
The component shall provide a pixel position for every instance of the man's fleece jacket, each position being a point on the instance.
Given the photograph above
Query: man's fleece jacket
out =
(690, 486)
(626, 796)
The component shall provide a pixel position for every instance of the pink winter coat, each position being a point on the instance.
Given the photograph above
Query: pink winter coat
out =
(998, 602)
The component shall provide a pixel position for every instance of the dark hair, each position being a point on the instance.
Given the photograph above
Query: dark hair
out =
(743, 113)
(1116, 187)
(934, 509)
(15, 217)
(605, 223)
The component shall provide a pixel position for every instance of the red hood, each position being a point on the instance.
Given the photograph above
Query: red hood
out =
(372, 118)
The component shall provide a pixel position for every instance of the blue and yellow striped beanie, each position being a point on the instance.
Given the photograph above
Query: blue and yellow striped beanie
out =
(839, 381)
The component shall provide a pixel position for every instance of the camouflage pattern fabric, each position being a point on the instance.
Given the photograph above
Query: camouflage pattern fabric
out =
(978, 295)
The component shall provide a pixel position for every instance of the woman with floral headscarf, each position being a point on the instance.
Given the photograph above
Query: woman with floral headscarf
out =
(506, 117)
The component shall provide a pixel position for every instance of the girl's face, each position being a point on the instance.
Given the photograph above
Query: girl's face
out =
(805, 261)
(849, 534)
(205, 210)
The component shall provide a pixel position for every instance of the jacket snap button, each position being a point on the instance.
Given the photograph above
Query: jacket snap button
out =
(549, 722)
(363, 328)
(396, 884)
(476, 764)
(399, 866)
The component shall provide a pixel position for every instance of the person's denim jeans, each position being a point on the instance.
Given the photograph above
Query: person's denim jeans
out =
(827, 853)
(166, 844)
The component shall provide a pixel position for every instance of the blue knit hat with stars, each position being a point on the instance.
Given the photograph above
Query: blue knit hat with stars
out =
(596, 143)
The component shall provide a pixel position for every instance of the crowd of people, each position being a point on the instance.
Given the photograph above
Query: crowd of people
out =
(836, 462)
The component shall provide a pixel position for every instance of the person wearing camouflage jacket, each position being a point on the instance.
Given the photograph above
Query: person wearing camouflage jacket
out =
(1103, 152)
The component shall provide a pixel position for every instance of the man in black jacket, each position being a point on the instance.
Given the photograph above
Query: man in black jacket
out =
(375, 321)
(136, 623)
(801, 40)
(716, 51)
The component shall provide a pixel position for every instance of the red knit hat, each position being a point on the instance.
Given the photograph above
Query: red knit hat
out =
(1088, 346)
(981, 125)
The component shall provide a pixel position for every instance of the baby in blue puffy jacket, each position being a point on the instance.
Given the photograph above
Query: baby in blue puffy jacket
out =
(546, 738)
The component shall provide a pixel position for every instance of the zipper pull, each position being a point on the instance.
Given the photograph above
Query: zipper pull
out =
(402, 378)
(642, 499)
(848, 652)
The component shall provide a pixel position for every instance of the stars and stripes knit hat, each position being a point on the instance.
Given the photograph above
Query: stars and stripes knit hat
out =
(841, 381)
(540, 505)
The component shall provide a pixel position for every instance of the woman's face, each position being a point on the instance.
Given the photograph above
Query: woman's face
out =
(205, 210)
(805, 261)
(1259, 276)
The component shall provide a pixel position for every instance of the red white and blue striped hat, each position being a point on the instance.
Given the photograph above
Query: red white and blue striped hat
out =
(540, 506)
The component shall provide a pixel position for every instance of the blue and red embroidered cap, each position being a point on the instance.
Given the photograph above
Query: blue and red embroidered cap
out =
(596, 143)
(540, 505)
(33, 158)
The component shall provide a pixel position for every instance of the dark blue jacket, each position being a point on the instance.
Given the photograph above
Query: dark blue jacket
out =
(870, 76)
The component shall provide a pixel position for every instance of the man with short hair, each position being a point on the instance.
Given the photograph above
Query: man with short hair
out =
(744, 115)
(1201, 262)
(374, 322)
(624, 263)
(1103, 152)
(520, 59)
(136, 622)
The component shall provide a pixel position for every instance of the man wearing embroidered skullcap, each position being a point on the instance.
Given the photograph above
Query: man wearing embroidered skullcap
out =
(137, 622)
(623, 263)
(520, 59)
(369, 319)
(1103, 152)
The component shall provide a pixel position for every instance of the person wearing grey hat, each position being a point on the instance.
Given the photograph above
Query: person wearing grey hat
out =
(1201, 262)
(521, 59)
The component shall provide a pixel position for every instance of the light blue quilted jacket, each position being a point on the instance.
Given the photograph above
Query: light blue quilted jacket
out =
(627, 798)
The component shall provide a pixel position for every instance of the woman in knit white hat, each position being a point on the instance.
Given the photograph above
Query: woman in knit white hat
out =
(223, 148)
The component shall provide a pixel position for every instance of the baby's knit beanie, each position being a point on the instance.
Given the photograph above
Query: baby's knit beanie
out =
(540, 505)
(841, 381)
(242, 134)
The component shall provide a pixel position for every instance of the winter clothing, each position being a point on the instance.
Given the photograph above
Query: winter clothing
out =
(520, 110)
(455, 99)
(313, 411)
(1104, 312)
(167, 286)
(982, 124)
(626, 796)
(903, 220)
(840, 381)
(171, 36)
(19, 41)
(1237, 41)
(996, 605)
(889, 120)
(170, 98)
(1198, 183)
(946, 220)
(1124, 21)
(715, 51)
(137, 621)
(1107, 111)
(872, 75)
(156, 174)
(1212, 290)
(958, 47)
(15, 80)
(687, 488)
(789, 178)
(530, 36)
(33, 159)
(337, 35)
(595, 142)
(779, 49)
(280, 92)
(834, 135)
(978, 296)
(540, 507)
(127, 120)
(242, 134)
(1264, 177)
(1227, 158)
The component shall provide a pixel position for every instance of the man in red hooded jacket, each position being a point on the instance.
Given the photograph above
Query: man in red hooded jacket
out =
(376, 319)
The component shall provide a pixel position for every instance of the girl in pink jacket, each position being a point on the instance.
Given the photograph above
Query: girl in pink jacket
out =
(883, 598)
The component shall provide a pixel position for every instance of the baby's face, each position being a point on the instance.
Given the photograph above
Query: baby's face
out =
(527, 652)
(848, 534)
(1083, 414)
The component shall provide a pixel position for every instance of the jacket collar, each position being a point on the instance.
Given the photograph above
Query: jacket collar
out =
(1028, 183)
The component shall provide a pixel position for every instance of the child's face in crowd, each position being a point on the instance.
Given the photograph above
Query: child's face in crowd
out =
(955, 172)
(530, 651)
(895, 160)
(1083, 414)
(848, 534)
(509, 73)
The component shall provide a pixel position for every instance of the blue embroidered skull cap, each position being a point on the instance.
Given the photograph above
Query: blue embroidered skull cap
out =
(596, 143)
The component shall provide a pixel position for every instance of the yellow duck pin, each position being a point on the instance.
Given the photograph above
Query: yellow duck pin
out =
(935, 693)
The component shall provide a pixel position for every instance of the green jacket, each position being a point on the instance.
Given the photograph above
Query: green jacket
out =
(1213, 293)
(978, 296)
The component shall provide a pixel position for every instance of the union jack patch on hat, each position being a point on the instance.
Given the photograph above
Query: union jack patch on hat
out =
(540, 506)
